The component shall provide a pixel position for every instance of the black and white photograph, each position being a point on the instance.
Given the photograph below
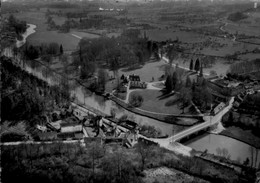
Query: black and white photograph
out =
(130, 91)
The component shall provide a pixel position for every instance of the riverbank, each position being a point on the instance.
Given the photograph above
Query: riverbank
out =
(239, 134)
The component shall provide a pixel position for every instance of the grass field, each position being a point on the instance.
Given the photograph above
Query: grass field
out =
(150, 69)
(156, 101)
(165, 34)
(58, 20)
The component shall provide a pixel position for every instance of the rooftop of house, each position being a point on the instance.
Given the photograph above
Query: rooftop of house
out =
(134, 77)
(71, 120)
(47, 135)
(67, 135)
(56, 124)
(69, 124)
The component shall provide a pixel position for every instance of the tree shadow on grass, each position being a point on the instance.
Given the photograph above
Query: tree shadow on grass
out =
(165, 94)
(132, 68)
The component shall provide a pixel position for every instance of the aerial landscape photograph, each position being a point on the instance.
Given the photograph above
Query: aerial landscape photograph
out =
(130, 91)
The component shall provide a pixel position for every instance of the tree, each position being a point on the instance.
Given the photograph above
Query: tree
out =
(171, 54)
(188, 82)
(144, 151)
(116, 165)
(246, 162)
(251, 150)
(102, 78)
(31, 53)
(171, 82)
(46, 58)
(213, 73)
(140, 57)
(191, 64)
(197, 65)
(61, 49)
(95, 152)
(201, 70)
(113, 112)
(225, 153)
(136, 100)
(168, 84)
(230, 117)
(185, 98)
(219, 151)
(114, 66)
(175, 79)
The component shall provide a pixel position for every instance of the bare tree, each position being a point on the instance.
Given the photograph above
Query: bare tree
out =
(144, 151)
(95, 151)
(251, 150)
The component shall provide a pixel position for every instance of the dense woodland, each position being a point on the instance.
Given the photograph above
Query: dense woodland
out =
(60, 162)
(178, 80)
(11, 30)
(18, 26)
(127, 50)
(245, 68)
(26, 97)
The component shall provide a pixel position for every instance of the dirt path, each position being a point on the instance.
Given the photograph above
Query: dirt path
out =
(76, 36)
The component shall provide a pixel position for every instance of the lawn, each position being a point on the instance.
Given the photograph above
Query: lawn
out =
(152, 69)
(156, 101)
(59, 20)
(68, 41)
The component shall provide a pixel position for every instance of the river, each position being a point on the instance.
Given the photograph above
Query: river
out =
(210, 142)
(236, 149)
(30, 30)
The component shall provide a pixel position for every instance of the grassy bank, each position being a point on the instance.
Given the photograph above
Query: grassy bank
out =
(242, 135)
(179, 124)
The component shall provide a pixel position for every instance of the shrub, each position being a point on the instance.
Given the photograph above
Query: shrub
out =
(136, 100)
(150, 131)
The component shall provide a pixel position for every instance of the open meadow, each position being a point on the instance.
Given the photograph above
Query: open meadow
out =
(156, 101)
(42, 35)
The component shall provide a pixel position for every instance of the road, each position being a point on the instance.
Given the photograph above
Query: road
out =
(43, 142)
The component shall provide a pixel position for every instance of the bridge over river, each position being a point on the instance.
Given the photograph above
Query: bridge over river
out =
(208, 121)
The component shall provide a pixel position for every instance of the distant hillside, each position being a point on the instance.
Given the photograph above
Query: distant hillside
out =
(235, 17)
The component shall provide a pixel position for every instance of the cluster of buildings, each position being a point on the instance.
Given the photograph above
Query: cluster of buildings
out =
(79, 123)
(238, 89)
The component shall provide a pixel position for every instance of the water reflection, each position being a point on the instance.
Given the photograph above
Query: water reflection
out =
(236, 149)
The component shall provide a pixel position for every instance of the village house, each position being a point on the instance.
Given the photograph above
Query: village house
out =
(135, 82)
